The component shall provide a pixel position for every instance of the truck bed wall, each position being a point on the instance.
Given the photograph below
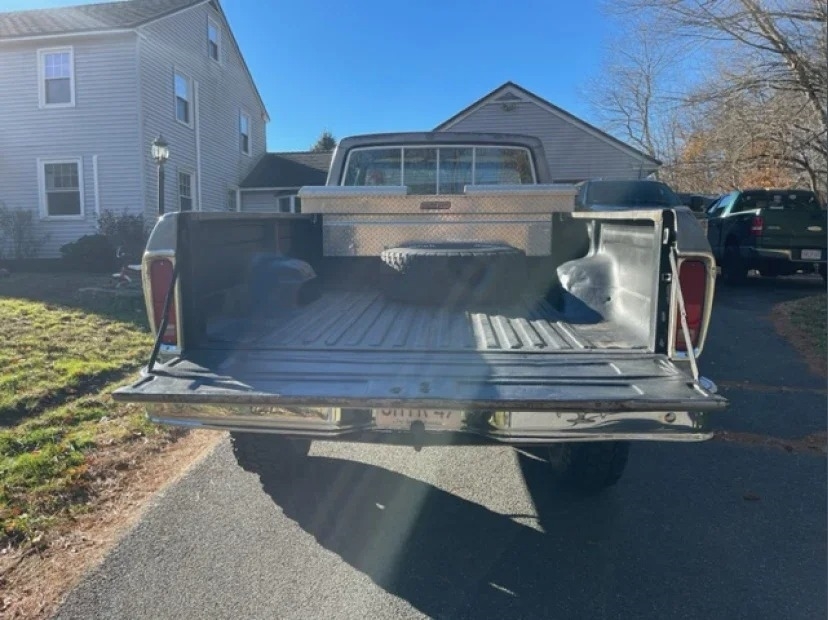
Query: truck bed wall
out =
(601, 273)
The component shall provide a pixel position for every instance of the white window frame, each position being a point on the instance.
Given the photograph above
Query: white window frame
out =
(291, 198)
(190, 99)
(244, 114)
(233, 189)
(212, 22)
(192, 196)
(41, 181)
(41, 76)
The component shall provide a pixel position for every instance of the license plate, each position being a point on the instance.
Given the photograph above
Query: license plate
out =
(811, 254)
(431, 418)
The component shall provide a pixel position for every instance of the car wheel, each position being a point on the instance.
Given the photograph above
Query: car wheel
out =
(822, 272)
(590, 467)
(734, 270)
(264, 452)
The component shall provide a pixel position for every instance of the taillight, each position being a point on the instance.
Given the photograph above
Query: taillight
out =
(160, 276)
(756, 226)
(693, 282)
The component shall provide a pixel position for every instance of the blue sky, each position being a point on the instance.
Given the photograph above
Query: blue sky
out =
(368, 65)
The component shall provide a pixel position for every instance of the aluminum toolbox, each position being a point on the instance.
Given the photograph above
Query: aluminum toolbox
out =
(363, 221)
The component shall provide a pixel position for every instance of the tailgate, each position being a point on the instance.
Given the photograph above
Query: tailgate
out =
(795, 228)
(582, 381)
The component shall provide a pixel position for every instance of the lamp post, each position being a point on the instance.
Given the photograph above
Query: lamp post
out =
(160, 153)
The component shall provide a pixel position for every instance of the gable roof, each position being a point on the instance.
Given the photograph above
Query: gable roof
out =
(287, 170)
(122, 15)
(502, 93)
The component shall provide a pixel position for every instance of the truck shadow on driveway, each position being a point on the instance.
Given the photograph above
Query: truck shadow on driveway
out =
(631, 553)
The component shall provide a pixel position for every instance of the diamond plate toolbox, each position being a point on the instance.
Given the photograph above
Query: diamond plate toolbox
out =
(364, 221)
(369, 235)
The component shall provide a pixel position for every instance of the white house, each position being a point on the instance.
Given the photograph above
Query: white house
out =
(85, 89)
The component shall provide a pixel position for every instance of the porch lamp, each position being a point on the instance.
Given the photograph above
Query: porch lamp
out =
(160, 151)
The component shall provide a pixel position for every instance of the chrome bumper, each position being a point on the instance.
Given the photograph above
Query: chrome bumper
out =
(505, 427)
(780, 254)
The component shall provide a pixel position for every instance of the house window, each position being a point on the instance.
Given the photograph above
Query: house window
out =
(286, 204)
(183, 99)
(62, 194)
(185, 191)
(232, 202)
(213, 40)
(57, 77)
(244, 133)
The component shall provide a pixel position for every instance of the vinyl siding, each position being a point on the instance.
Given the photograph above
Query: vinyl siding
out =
(179, 42)
(573, 153)
(103, 122)
(266, 201)
(259, 202)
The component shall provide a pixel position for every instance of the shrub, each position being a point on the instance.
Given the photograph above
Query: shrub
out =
(17, 233)
(124, 231)
(91, 253)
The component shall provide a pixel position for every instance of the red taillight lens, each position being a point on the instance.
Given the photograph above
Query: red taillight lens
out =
(160, 275)
(756, 226)
(693, 282)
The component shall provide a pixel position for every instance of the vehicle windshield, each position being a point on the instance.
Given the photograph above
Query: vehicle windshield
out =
(438, 170)
(781, 200)
(631, 194)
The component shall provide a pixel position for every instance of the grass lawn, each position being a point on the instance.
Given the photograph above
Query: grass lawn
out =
(805, 323)
(54, 352)
(60, 432)
(809, 316)
(53, 465)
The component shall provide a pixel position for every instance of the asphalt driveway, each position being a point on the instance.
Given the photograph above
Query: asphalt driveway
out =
(713, 530)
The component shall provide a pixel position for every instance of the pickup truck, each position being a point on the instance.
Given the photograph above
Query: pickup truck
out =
(777, 232)
(436, 291)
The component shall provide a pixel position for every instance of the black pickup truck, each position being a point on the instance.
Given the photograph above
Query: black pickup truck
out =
(777, 232)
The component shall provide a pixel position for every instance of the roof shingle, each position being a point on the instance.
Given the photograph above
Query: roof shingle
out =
(87, 17)
(295, 169)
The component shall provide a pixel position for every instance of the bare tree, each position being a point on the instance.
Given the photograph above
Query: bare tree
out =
(773, 67)
(629, 97)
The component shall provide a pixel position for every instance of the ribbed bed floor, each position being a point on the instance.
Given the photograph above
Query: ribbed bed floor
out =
(355, 321)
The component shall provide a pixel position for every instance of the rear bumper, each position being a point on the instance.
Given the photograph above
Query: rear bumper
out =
(477, 427)
(780, 255)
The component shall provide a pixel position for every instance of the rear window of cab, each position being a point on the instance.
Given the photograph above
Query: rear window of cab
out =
(438, 170)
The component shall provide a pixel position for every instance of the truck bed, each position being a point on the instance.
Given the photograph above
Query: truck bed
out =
(255, 345)
(366, 321)
(378, 352)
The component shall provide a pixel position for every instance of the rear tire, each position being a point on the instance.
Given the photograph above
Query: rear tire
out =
(587, 468)
(264, 452)
(823, 270)
(734, 270)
